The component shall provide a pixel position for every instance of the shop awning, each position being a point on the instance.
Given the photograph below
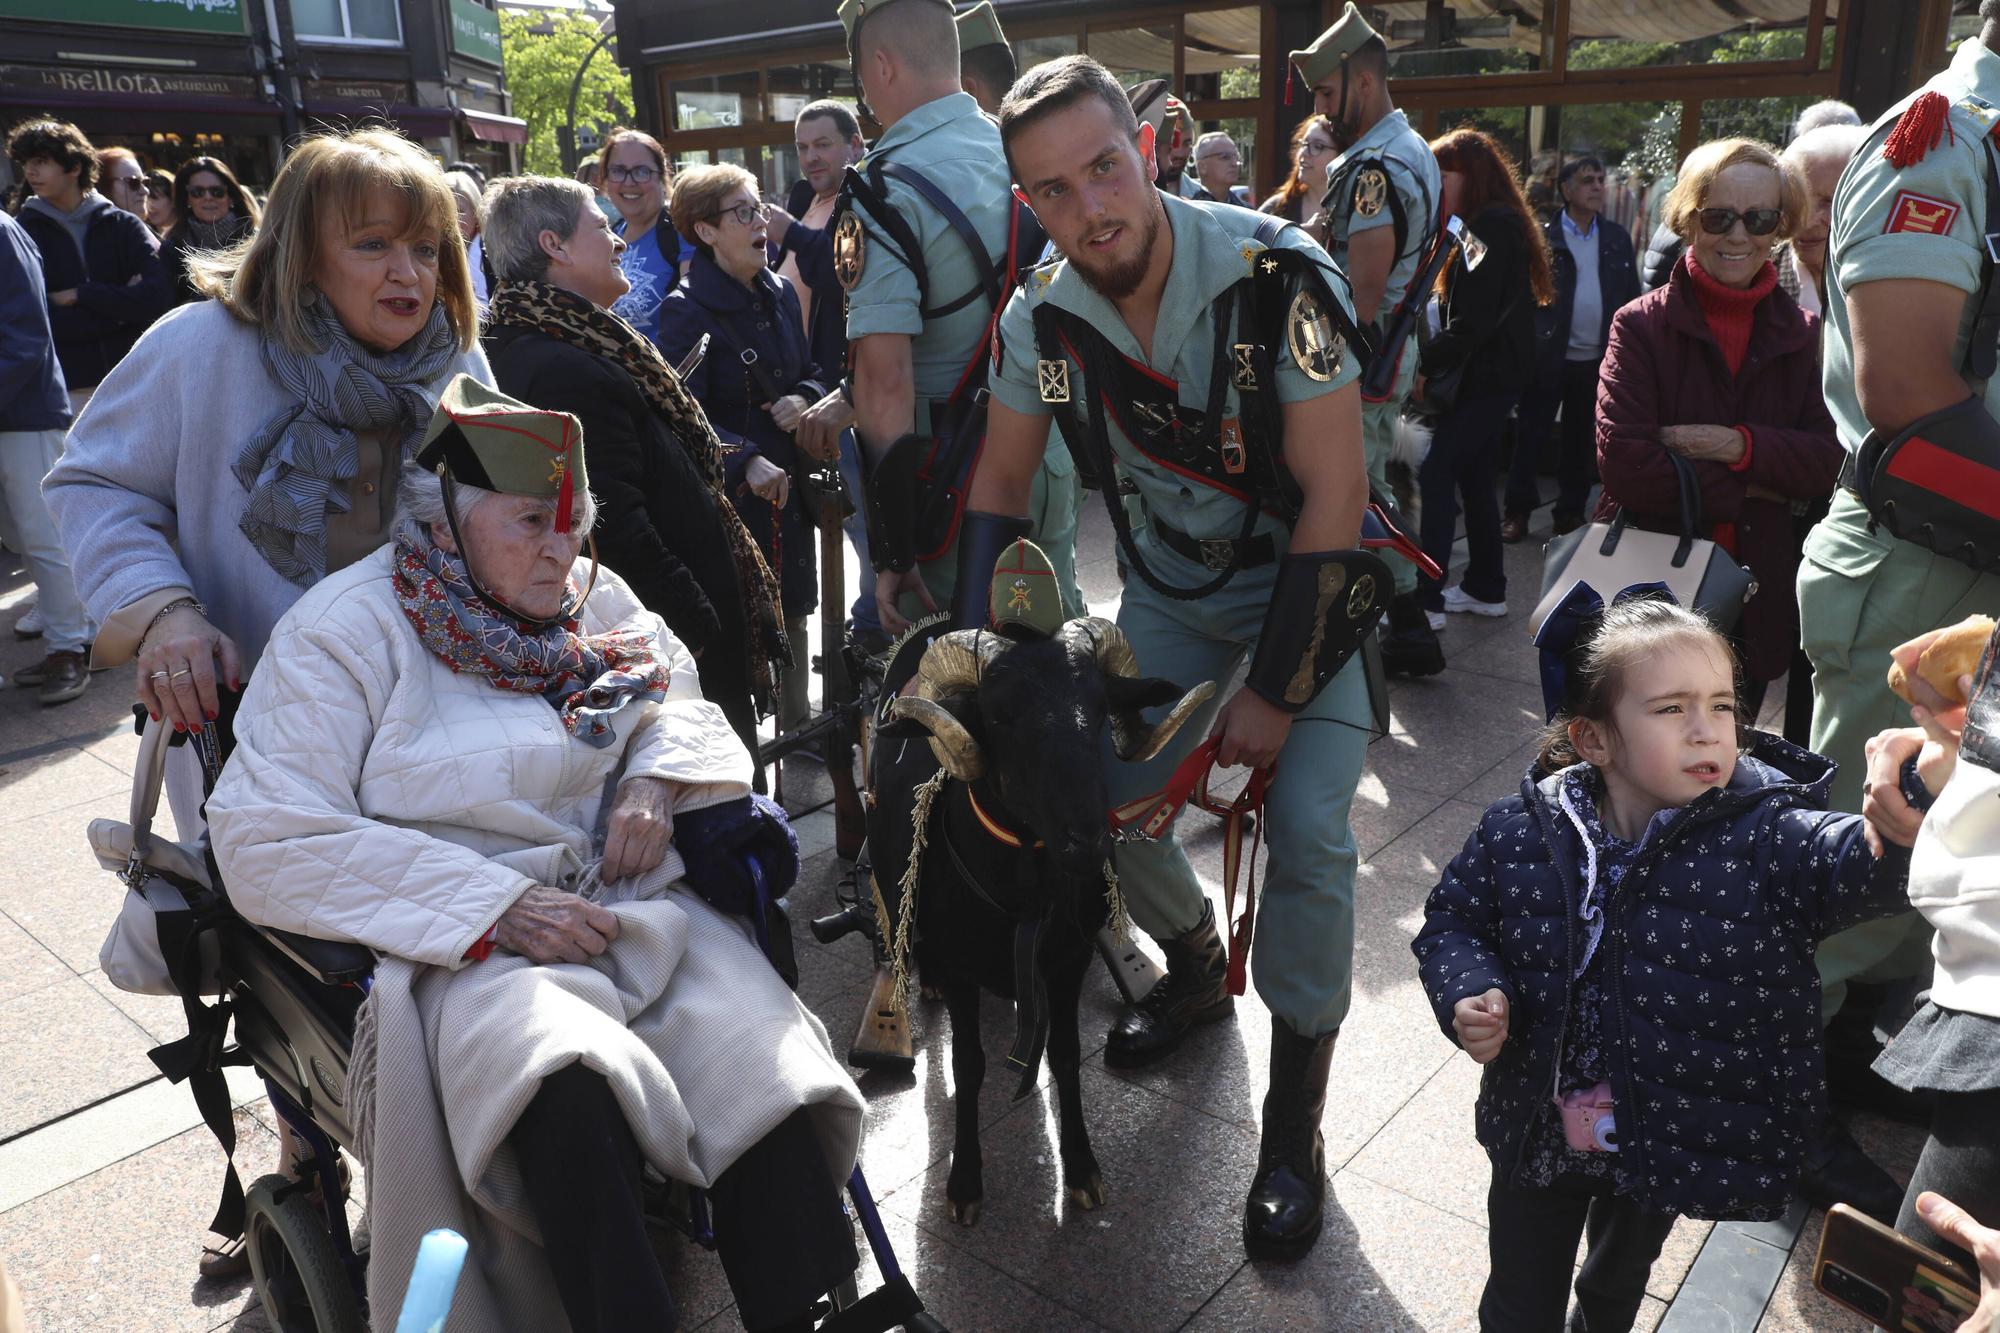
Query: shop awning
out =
(489, 128)
(152, 107)
(429, 121)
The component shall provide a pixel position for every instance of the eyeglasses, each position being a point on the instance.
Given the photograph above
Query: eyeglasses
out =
(633, 175)
(1756, 221)
(127, 182)
(208, 192)
(743, 213)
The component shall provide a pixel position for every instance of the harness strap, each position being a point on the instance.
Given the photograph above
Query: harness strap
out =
(982, 261)
(1152, 815)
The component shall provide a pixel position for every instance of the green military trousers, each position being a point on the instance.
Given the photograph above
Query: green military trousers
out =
(1304, 942)
(1860, 595)
(1055, 503)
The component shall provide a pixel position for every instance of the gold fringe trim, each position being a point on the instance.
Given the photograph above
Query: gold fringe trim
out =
(1114, 898)
(899, 948)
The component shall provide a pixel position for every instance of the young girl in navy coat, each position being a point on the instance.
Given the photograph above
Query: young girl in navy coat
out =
(1627, 947)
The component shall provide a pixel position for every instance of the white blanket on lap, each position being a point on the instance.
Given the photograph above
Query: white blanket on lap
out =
(704, 1048)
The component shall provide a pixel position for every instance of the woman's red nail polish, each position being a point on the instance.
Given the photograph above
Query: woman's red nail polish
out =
(211, 715)
(154, 716)
(179, 727)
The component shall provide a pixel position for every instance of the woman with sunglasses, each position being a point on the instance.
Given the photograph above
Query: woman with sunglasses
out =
(755, 383)
(214, 211)
(632, 172)
(1721, 368)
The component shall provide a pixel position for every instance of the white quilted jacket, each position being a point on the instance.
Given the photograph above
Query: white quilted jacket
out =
(375, 795)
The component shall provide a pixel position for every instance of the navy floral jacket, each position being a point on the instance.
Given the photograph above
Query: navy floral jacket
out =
(1713, 1025)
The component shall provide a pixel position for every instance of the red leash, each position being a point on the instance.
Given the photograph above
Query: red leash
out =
(1149, 816)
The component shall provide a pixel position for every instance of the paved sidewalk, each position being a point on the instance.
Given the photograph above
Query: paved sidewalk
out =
(107, 1177)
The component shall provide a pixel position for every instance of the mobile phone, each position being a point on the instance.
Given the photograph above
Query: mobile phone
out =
(1889, 1279)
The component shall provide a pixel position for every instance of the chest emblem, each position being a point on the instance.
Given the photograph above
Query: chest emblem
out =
(1244, 376)
(1318, 350)
(849, 249)
(1921, 214)
(1052, 378)
(1371, 191)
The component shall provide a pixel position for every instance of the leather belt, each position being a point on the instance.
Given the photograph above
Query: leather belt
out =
(1847, 476)
(1216, 553)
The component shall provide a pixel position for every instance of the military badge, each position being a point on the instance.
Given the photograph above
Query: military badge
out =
(849, 250)
(1053, 379)
(1361, 597)
(1024, 594)
(1371, 190)
(1234, 460)
(1921, 213)
(1319, 351)
(1244, 376)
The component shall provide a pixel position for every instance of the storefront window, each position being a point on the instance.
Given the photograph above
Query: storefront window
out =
(794, 87)
(347, 21)
(719, 102)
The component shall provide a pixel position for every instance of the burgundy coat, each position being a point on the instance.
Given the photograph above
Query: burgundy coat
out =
(1662, 367)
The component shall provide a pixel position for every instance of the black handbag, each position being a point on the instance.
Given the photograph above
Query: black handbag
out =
(1614, 556)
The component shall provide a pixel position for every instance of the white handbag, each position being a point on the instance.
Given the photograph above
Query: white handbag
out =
(158, 875)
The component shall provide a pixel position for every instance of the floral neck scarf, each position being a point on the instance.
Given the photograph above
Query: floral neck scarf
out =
(586, 680)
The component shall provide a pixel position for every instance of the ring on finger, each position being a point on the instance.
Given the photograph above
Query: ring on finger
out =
(184, 671)
(157, 675)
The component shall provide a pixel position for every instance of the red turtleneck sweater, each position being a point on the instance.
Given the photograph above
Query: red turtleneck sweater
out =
(1730, 311)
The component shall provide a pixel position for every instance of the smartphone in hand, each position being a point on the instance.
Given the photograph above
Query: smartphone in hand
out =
(1889, 1279)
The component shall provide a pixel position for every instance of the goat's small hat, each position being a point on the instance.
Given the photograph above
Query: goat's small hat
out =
(1025, 593)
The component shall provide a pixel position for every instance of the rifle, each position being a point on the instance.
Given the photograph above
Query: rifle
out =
(1380, 375)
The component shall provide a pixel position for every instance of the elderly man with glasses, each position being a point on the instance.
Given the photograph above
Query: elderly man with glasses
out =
(1595, 273)
(1218, 164)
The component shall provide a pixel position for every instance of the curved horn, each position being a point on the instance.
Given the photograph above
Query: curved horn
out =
(1106, 644)
(1135, 742)
(953, 745)
(953, 662)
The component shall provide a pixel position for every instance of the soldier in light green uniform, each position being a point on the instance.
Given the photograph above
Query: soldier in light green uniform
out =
(912, 337)
(1379, 217)
(1905, 264)
(1117, 343)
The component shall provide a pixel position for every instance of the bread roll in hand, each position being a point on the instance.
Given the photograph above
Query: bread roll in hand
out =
(1953, 653)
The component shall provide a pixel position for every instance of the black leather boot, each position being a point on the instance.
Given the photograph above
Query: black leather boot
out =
(1838, 1171)
(1410, 646)
(1192, 993)
(1283, 1217)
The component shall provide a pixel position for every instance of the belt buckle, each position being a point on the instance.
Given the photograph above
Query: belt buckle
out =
(1218, 553)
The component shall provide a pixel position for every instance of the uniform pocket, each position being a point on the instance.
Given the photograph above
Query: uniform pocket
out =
(1838, 563)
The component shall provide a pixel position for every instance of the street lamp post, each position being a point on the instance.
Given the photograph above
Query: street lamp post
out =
(575, 87)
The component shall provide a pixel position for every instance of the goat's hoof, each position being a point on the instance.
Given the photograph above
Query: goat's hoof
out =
(1089, 1195)
(966, 1212)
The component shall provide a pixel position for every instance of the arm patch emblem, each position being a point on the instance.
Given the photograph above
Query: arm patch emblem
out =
(1921, 214)
(1371, 190)
(849, 249)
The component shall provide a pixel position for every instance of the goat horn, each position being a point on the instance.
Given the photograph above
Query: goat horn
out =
(1135, 742)
(1106, 644)
(953, 662)
(953, 745)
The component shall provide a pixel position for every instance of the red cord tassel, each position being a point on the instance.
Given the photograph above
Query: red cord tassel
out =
(566, 491)
(1288, 83)
(1918, 130)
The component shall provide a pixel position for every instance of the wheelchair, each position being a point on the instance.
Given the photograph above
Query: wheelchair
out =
(290, 1002)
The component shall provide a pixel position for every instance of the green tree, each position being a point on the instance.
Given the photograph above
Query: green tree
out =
(542, 56)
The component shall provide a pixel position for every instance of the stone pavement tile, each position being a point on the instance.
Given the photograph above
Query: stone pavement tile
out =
(40, 783)
(1428, 1151)
(1893, 1145)
(962, 1290)
(67, 1046)
(22, 728)
(1728, 1287)
(161, 1016)
(1386, 1263)
(1448, 729)
(117, 1250)
(25, 965)
(55, 889)
(1677, 1256)
(1502, 780)
(1651, 1312)
(1169, 1235)
(1796, 1306)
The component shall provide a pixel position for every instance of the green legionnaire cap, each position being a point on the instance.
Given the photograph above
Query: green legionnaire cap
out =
(979, 26)
(1154, 104)
(1025, 592)
(1331, 49)
(480, 437)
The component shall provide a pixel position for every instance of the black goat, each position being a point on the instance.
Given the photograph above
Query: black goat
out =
(1004, 812)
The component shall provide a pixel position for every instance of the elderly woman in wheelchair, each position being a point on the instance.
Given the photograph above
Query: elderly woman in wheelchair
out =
(479, 756)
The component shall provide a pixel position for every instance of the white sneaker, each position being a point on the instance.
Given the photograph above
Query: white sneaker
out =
(1436, 619)
(29, 626)
(1456, 599)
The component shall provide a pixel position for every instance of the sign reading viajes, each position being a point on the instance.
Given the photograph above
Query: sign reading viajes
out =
(475, 31)
(220, 16)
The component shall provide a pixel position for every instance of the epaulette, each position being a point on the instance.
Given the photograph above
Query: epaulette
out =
(1926, 123)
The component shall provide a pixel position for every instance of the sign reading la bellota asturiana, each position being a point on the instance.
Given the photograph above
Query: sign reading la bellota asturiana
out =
(214, 16)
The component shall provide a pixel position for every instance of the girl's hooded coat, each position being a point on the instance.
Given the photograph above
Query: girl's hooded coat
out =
(1714, 1001)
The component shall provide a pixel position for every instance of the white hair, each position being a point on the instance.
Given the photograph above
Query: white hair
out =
(1836, 142)
(1213, 136)
(517, 210)
(1829, 112)
(420, 504)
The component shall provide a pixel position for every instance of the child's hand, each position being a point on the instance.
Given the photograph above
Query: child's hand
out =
(1481, 1024)
(1889, 816)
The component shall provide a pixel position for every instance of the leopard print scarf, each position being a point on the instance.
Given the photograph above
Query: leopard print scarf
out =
(569, 318)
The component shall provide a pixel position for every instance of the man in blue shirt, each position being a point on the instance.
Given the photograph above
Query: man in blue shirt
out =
(1595, 274)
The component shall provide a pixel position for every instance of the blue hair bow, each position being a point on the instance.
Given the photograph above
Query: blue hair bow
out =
(1569, 629)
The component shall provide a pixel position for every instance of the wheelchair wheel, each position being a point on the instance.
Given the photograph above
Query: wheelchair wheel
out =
(299, 1278)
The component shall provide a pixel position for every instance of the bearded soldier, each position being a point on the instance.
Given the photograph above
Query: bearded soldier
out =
(1378, 219)
(1205, 351)
(926, 243)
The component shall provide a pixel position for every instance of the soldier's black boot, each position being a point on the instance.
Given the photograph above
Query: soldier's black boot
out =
(1410, 646)
(1193, 992)
(1282, 1219)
